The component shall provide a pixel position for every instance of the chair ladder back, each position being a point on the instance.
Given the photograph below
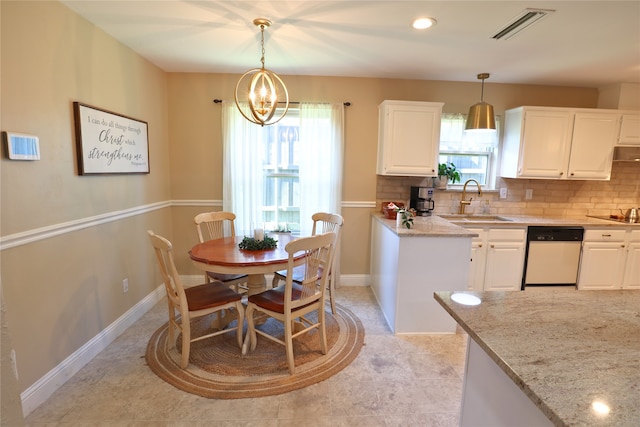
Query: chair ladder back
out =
(215, 225)
(170, 277)
(317, 259)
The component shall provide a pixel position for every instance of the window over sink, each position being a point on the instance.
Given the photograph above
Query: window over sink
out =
(473, 153)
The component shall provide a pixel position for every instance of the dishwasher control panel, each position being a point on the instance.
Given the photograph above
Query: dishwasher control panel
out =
(554, 234)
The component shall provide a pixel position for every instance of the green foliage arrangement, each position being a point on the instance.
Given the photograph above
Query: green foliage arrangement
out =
(449, 170)
(407, 217)
(251, 244)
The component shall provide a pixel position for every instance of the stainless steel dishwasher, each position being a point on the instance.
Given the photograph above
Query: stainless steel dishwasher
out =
(552, 256)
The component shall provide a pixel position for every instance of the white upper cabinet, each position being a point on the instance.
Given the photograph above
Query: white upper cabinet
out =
(409, 138)
(629, 129)
(559, 143)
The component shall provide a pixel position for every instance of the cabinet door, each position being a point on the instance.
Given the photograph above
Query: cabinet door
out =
(409, 138)
(594, 136)
(631, 279)
(545, 144)
(504, 266)
(629, 130)
(477, 266)
(602, 265)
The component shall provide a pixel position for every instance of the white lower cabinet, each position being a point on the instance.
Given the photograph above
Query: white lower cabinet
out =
(497, 259)
(631, 279)
(610, 259)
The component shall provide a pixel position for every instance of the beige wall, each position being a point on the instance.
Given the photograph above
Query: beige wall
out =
(62, 291)
(196, 146)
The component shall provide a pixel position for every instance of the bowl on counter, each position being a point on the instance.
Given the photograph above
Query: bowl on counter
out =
(390, 213)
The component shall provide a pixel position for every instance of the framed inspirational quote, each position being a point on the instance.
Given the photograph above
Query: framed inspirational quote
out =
(109, 143)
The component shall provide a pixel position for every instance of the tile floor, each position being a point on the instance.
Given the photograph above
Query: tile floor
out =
(395, 381)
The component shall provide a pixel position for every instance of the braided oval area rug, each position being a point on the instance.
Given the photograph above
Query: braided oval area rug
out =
(217, 369)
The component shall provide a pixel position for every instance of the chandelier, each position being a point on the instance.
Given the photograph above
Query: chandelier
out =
(265, 90)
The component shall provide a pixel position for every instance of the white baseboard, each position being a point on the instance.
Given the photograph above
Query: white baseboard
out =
(42, 389)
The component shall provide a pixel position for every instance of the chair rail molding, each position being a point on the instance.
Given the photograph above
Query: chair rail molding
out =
(30, 236)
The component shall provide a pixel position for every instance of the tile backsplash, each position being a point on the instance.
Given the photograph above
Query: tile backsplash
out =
(551, 198)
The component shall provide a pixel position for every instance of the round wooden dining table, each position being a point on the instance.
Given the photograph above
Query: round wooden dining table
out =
(225, 257)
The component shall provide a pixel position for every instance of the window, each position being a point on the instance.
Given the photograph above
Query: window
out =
(473, 153)
(279, 175)
(281, 165)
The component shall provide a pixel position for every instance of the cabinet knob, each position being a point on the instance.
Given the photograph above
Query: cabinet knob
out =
(480, 245)
(561, 173)
(606, 235)
(622, 246)
(572, 174)
(492, 246)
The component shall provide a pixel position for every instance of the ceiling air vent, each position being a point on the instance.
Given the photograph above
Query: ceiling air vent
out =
(523, 20)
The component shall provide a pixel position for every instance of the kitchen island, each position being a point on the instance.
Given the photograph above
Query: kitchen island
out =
(561, 358)
(408, 265)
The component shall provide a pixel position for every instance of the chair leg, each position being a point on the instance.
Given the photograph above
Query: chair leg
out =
(288, 343)
(186, 342)
(332, 292)
(172, 324)
(323, 330)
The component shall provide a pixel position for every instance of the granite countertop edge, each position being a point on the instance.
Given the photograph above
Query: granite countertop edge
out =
(568, 323)
(505, 367)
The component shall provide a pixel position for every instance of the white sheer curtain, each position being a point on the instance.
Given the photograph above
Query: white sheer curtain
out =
(321, 153)
(242, 174)
(321, 134)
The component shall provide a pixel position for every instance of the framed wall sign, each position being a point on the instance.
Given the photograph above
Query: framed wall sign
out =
(109, 143)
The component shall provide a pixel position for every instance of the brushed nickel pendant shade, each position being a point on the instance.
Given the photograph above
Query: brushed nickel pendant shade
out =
(265, 90)
(481, 116)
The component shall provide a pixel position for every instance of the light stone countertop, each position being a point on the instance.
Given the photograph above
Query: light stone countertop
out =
(435, 226)
(564, 349)
(425, 226)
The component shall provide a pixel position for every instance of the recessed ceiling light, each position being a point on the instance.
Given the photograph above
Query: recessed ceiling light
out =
(423, 23)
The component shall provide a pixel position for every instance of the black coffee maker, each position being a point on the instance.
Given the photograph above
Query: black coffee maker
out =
(422, 200)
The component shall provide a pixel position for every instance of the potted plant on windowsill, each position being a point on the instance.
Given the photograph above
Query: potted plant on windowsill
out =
(447, 172)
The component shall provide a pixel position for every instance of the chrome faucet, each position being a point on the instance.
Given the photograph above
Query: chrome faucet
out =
(463, 202)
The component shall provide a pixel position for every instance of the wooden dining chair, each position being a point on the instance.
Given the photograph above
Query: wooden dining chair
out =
(295, 300)
(215, 225)
(194, 301)
(322, 223)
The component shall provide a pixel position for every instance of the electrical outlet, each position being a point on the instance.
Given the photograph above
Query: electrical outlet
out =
(503, 193)
(528, 194)
(125, 286)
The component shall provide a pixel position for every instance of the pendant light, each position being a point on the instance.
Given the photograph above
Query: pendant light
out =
(265, 89)
(481, 117)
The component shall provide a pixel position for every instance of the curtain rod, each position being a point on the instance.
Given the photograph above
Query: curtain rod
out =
(346, 104)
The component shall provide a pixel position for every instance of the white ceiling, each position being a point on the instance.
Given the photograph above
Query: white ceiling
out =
(583, 44)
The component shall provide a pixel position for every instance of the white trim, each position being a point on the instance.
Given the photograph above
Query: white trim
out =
(23, 238)
(30, 236)
(42, 389)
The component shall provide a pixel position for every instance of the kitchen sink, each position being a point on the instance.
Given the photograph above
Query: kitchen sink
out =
(474, 218)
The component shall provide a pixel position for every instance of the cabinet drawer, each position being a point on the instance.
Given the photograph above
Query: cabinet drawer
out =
(605, 235)
(506, 234)
(479, 232)
(634, 236)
